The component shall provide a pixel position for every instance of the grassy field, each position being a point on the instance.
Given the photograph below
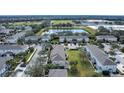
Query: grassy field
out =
(62, 21)
(39, 33)
(84, 67)
(27, 56)
(25, 23)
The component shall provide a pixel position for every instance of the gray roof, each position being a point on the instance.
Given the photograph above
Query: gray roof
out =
(5, 31)
(19, 35)
(105, 36)
(100, 55)
(73, 37)
(58, 52)
(45, 36)
(3, 61)
(32, 38)
(57, 73)
(12, 47)
(16, 36)
(58, 55)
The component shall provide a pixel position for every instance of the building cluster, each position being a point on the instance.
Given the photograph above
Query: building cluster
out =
(58, 57)
(101, 59)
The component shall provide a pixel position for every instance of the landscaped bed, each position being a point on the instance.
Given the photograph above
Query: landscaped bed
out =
(83, 66)
(29, 56)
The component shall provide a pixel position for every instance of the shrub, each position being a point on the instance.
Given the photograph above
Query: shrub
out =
(73, 69)
(73, 63)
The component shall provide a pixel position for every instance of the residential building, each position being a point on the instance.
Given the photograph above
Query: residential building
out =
(5, 31)
(108, 38)
(46, 38)
(120, 58)
(107, 47)
(121, 38)
(115, 27)
(57, 73)
(58, 56)
(28, 28)
(3, 65)
(32, 38)
(99, 59)
(15, 49)
(73, 38)
(73, 46)
(14, 38)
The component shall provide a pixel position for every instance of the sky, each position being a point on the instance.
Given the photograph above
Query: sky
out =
(61, 7)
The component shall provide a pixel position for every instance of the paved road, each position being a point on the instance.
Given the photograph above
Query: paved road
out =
(22, 74)
(39, 48)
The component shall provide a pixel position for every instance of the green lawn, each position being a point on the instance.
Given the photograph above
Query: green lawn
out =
(39, 33)
(84, 67)
(27, 56)
(62, 21)
(25, 23)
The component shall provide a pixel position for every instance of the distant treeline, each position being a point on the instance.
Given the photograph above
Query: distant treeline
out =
(14, 18)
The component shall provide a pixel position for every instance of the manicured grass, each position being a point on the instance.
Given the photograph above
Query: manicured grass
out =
(39, 33)
(16, 60)
(84, 67)
(29, 56)
(62, 21)
(25, 23)
(89, 30)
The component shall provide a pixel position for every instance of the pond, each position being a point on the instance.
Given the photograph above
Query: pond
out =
(55, 31)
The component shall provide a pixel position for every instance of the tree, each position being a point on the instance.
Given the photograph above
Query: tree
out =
(73, 63)
(37, 69)
(31, 49)
(50, 66)
(42, 52)
(20, 41)
(115, 46)
(101, 45)
(103, 29)
(73, 69)
(29, 42)
(65, 41)
(24, 60)
(112, 53)
(122, 50)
